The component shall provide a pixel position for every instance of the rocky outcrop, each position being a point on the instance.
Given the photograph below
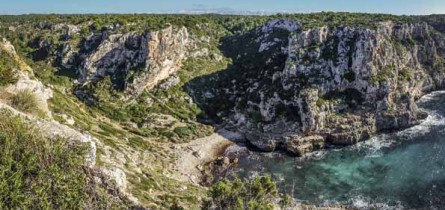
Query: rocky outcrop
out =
(166, 49)
(6, 46)
(136, 61)
(25, 81)
(45, 123)
(330, 85)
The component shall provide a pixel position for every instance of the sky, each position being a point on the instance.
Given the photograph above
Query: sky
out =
(399, 7)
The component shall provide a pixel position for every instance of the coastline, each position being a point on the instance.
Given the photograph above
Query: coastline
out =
(192, 156)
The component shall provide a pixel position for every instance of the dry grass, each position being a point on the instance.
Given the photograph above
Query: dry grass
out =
(5, 96)
(25, 101)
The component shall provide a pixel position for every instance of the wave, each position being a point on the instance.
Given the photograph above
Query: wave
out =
(375, 144)
(431, 96)
(433, 120)
(361, 202)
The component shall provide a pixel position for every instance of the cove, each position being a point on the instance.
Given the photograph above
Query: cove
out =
(404, 169)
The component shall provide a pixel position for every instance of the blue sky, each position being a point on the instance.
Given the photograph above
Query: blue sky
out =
(187, 6)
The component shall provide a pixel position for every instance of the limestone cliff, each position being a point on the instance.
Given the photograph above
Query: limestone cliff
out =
(135, 61)
(329, 85)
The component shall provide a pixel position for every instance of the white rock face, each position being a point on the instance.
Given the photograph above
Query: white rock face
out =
(337, 84)
(280, 24)
(114, 53)
(7, 46)
(166, 49)
(41, 92)
(265, 46)
(267, 107)
(170, 82)
(269, 28)
(156, 56)
(68, 28)
(25, 83)
(361, 52)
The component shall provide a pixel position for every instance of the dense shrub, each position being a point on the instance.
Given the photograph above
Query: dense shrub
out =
(8, 68)
(258, 193)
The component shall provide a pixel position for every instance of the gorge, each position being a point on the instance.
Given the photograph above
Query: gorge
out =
(339, 108)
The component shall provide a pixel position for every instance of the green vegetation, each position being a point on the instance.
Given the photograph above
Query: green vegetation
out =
(256, 117)
(258, 193)
(8, 67)
(383, 75)
(44, 173)
(146, 108)
(405, 75)
(327, 100)
(400, 49)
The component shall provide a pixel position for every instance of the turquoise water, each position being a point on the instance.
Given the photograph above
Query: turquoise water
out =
(391, 171)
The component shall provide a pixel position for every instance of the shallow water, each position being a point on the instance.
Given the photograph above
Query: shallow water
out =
(405, 169)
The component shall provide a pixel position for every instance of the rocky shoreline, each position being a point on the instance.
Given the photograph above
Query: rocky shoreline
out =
(205, 163)
(327, 86)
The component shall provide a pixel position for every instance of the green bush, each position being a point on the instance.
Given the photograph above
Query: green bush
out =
(8, 68)
(183, 131)
(383, 75)
(258, 193)
(405, 74)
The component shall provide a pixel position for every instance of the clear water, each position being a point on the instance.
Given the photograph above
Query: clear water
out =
(391, 171)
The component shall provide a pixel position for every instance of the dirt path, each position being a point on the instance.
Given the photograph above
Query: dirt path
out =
(200, 151)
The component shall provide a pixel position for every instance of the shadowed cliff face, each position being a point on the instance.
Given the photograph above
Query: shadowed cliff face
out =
(300, 90)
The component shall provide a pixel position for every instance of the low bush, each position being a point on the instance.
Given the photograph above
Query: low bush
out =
(258, 193)
(8, 68)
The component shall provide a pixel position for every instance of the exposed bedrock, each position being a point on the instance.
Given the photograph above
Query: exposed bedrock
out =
(300, 90)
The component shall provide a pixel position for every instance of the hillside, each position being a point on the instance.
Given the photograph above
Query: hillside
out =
(157, 97)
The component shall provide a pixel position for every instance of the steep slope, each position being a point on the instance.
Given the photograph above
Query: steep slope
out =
(300, 90)
(135, 153)
(40, 153)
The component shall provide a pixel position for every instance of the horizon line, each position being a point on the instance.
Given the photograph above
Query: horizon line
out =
(238, 13)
